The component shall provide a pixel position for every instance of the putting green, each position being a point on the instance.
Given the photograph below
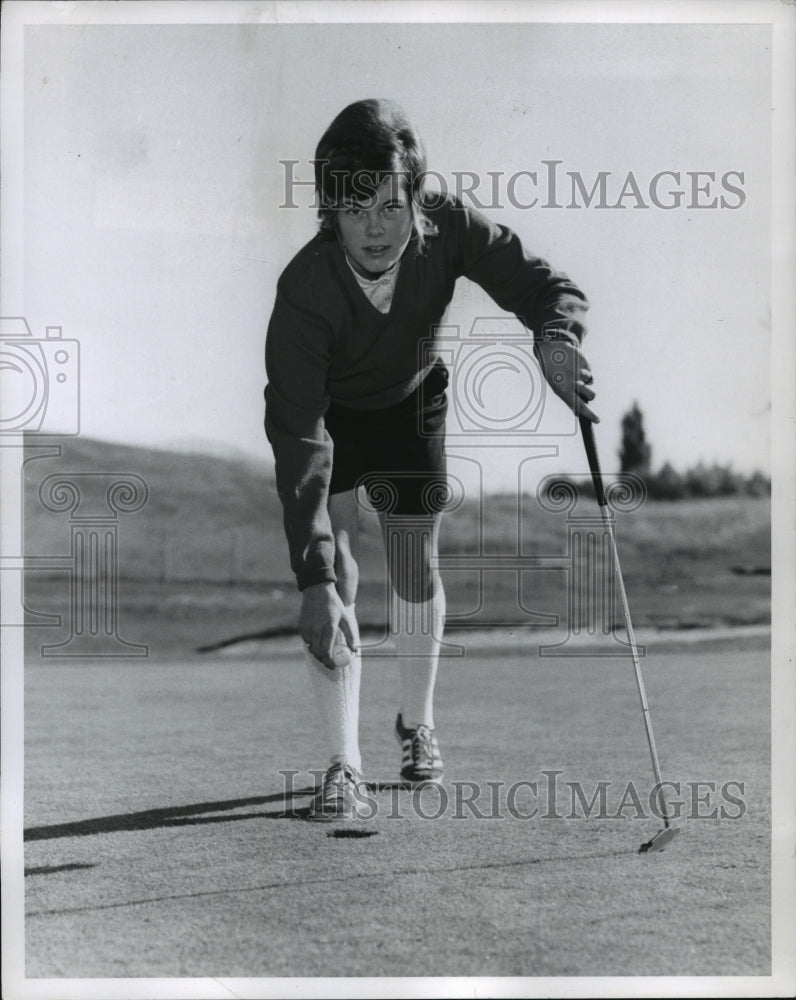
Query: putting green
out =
(162, 839)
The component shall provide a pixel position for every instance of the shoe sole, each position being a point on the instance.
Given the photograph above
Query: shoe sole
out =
(329, 817)
(434, 778)
(343, 815)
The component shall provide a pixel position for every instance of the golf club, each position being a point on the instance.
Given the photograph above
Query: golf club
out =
(664, 836)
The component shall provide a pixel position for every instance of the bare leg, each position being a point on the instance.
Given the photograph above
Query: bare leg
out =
(417, 610)
(344, 515)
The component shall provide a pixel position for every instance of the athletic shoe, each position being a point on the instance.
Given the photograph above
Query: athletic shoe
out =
(336, 799)
(421, 760)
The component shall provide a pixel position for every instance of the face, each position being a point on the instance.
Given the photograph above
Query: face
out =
(373, 233)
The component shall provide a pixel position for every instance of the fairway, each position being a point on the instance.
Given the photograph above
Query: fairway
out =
(163, 841)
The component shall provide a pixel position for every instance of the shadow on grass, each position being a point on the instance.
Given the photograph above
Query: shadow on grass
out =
(151, 819)
(346, 877)
(189, 815)
(54, 869)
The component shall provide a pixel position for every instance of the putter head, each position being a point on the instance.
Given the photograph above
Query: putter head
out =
(659, 841)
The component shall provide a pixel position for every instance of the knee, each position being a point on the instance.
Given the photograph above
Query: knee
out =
(418, 586)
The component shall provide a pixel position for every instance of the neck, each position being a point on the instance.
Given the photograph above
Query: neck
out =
(370, 275)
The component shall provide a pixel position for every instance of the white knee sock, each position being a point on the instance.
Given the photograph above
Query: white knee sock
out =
(417, 631)
(337, 697)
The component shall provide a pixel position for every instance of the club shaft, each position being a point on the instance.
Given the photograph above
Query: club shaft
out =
(587, 431)
(620, 585)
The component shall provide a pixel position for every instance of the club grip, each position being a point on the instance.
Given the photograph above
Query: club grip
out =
(587, 430)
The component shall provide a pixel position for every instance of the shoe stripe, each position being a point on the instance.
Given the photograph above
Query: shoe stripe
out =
(407, 749)
(436, 760)
(431, 766)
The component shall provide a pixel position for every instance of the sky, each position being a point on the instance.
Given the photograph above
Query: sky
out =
(155, 226)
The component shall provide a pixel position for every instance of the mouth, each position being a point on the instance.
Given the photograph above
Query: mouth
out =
(377, 249)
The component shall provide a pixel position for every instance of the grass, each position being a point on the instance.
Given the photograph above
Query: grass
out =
(161, 840)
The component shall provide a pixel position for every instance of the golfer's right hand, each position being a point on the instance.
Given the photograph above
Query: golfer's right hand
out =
(568, 374)
(320, 621)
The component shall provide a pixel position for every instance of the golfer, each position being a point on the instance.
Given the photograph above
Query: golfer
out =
(355, 399)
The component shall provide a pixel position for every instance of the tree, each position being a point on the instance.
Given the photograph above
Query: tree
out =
(635, 455)
(666, 484)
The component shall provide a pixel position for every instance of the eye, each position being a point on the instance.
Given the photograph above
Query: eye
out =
(353, 210)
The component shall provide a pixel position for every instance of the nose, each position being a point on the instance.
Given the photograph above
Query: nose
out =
(374, 226)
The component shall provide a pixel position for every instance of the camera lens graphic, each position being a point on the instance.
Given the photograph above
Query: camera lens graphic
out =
(24, 386)
(498, 388)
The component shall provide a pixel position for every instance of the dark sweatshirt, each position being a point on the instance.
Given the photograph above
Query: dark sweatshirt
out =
(326, 341)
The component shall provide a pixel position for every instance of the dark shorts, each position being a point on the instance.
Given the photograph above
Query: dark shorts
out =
(398, 453)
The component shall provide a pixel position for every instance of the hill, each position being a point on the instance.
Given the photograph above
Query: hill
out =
(206, 557)
(202, 515)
